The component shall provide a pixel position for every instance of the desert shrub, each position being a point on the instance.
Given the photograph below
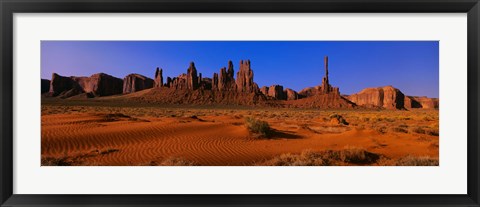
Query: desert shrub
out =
(403, 126)
(427, 118)
(418, 130)
(417, 161)
(306, 158)
(338, 119)
(403, 118)
(258, 127)
(360, 127)
(357, 156)
(389, 119)
(381, 129)
(399, 129)
(237, 116)
(433, 132)
(428, 131)
(114, 117)
(56, 161)
(378, 119)
(175, 161)
(324, 158)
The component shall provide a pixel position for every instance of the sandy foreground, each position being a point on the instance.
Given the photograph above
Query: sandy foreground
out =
(133, 136)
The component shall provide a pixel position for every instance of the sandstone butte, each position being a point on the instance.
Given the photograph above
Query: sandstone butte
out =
(223, 88)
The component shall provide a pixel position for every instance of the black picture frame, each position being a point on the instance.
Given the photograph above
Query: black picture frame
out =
(9, 7)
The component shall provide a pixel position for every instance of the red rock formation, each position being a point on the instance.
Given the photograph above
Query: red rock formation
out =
(180, 82)
(387, 97)
(60, 84)
(100, 84)
(226, 82)
(159, 78)
(206, 84)
(323, 96)
(325, 88)
(276, 91)
(391, 98)
(291, 94)
(264, 90)
(230, 71)
(428, 103)
(223, 88)
(192, 78)
(199, 79)
(215, 82)
(223, 80)
(136, 82)
(322, 101)
(169, 82)
(421, 102)
(44, 86)
(309, 91)
(244, 80)
(200, 97)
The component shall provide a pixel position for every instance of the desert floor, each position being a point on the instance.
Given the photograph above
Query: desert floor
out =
(120, 134)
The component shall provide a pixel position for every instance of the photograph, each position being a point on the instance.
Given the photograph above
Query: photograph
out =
(239, 103)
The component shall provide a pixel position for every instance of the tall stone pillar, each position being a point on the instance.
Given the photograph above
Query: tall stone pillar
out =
(326, 67)
(159, 78)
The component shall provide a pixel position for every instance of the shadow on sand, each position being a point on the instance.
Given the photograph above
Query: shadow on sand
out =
(277, 134)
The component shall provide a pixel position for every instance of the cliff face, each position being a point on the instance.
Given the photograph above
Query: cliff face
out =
(135, 82)
(100, 84)
(45, 86)
(278, 93)
(421, 102)
(64, 87)
(291, 94)
(389, 97)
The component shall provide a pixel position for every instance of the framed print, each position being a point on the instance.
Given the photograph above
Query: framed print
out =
(262, 103)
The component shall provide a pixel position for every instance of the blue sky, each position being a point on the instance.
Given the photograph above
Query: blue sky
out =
(411, 66)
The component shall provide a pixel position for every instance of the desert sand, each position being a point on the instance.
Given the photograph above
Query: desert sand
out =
(104, 135)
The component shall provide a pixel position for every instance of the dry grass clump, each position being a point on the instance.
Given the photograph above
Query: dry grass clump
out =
(75, 159)
(176, 161)
(357, 155)
(258, 127)
(306, 158)
(337, 119)
(426, 130)
(399, 129)
(417, 161)
(380, 129)
(350, 155)
(114, 117)
(56, 161)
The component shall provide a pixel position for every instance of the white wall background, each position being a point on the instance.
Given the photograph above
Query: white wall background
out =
(449, 177)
